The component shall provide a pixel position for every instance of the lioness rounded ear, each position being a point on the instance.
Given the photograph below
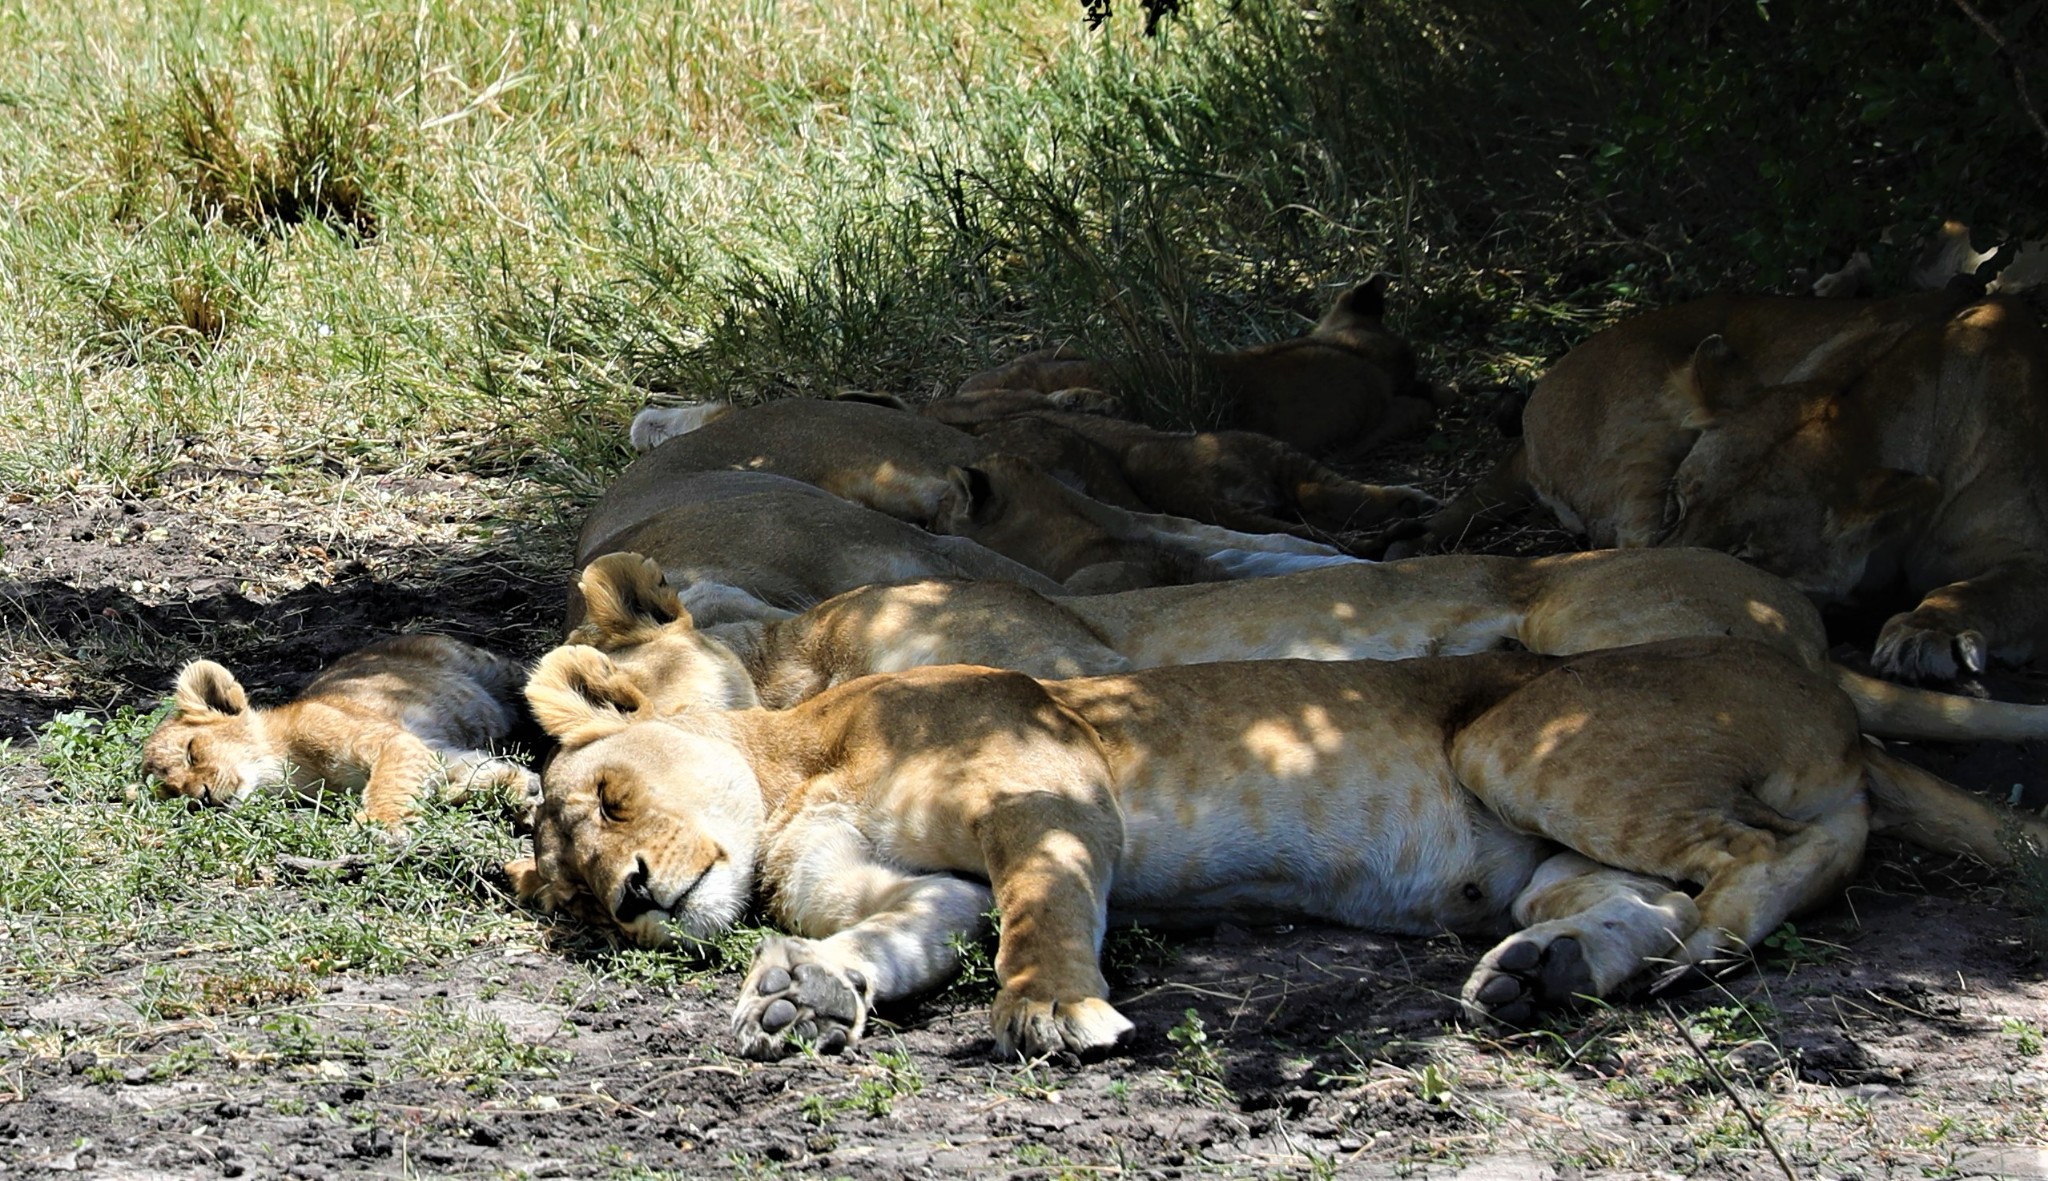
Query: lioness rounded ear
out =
(578, 695)
(1719, 382)
(207, 688)
(624, 593)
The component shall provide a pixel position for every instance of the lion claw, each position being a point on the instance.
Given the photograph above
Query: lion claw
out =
(1913, 649)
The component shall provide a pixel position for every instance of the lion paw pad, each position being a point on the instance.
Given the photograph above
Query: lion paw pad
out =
(1525, 976)
(790, 1000)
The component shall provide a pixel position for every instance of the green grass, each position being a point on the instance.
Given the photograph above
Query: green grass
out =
(440, 234)
(98, 878)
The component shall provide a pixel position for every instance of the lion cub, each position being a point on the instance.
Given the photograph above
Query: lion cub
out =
(393, 720)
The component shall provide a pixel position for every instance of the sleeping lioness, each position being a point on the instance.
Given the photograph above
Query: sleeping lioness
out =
(1237, 479)
(1844, 445)
(1563, 802)
(1440, 606)
(913, 469)
(1348, 385)
(396, 720)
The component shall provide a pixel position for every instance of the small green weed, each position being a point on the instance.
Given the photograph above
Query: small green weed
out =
(874, 1096)
(1786, 949)
(2027, 1039)
(1434, 1084)
(1197, 1063)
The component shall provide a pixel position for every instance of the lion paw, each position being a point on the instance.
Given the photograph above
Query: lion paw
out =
(1528, 973)
(1918, 647)
(792, 996)
(1409, 502)
(1036, 1028)
(1083, 400)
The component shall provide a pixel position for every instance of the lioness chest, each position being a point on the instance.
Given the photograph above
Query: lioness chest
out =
(1298, 789)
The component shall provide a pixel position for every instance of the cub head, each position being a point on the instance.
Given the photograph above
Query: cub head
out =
(213, 748)
(648, 823)
(634, 616)
(1775, 480)
(1356, 320)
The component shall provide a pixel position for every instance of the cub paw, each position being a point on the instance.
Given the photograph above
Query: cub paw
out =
(1529, 973)
(1918, 647)
(1083, 400)
(792, 996)
(1410, 502)
(1035, 1028)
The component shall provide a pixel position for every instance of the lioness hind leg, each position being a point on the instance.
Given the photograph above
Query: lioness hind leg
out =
(1587, 930)
(1759, 883)
(1050, 860)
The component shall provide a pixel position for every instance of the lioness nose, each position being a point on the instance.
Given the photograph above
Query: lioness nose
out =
(636, 899)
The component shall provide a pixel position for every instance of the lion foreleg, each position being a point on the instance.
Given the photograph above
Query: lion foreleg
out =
(877, 934)
(1957, 629)
(403, 769)
(1207, 539)
(1587, 929)
(1051, 859)
(474, 770)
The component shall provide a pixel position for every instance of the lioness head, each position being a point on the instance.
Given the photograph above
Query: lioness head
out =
(1774, 480)
(212, 749)
(633, 615)
(643, 821)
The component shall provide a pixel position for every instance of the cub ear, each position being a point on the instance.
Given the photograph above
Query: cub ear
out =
(579, 696)
(206, 688)
(1366, 301)
(1718, 383)
(624, 596)
(969, 496)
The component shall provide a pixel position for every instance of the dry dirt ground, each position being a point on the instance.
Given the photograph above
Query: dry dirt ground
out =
(1899, 1033)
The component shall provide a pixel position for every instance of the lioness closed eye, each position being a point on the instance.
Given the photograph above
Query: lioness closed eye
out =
(393, 720)
(1567, 803)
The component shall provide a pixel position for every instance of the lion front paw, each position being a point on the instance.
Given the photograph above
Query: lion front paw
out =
(793, 996)
(1406, 502)
(1919, 646)
(1083, 400)
(1035, 1028)
(1529, 973)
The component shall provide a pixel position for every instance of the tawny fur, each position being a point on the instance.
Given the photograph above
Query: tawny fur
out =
(1844, 445)
(1347, 386)
(903, 466)
(393, 722)
(1565, 801)
(1451, 605)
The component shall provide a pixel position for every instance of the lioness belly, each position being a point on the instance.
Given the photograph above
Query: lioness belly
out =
(1367, 829)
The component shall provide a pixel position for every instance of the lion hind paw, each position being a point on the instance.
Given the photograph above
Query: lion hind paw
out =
(1531, 972)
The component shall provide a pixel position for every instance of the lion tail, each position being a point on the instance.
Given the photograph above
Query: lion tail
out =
(1901, 711)
(1935, 814)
